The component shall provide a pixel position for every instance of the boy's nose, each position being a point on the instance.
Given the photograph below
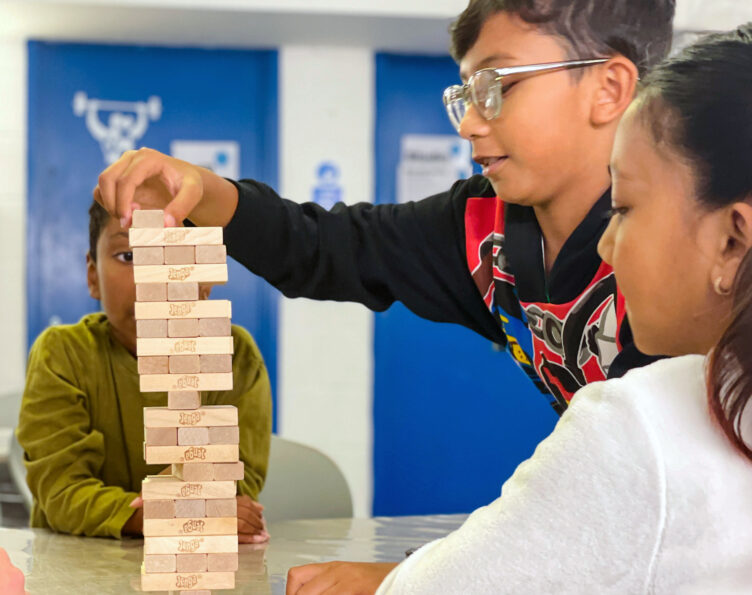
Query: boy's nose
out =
(606, 243)
(473, 125)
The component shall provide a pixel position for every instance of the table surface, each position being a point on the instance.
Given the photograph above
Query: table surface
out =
(55, 563)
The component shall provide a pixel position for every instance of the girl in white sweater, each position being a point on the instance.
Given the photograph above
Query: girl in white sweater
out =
(645, 486)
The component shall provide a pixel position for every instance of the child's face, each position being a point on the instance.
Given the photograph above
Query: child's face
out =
(540, 143)
(110, 281)
(663, 246)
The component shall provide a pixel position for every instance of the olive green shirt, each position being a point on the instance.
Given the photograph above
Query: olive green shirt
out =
(82, 425)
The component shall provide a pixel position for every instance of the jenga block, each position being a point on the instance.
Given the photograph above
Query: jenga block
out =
(180, 255)
(196, 309)
(193, 584)
(147, 218)
(190, 526)
(222, 562)
(184, 399)
(194, 471)
(178, 346)
(214, 327)
(182, 292)
(226, 507)
(148, 255)
(170, 382)
(161, 436)
(210, 415)
(189, 509)
(151, 292)
(221, 435)
(214, 544)
(151, 328)
(184, 364)
(197, 273)
(191, 562)
(163, 487)
(159, 509)
(159, 563)
(182, 327)
(211, 453)
(193, 436)
(215, 364)
(154, 364)
(229, 471)
(175, 236)
(211, 254)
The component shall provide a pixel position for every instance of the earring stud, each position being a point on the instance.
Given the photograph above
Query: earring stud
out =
(718, 289)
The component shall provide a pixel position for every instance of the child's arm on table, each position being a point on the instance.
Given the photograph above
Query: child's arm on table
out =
(64, 455)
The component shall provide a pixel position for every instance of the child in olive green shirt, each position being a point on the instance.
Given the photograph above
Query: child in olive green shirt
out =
(81, 421)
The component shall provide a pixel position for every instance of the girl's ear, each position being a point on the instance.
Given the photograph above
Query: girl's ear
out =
(736, 241)
(92, 277)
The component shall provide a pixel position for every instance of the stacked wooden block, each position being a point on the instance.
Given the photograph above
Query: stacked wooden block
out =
(184, 346)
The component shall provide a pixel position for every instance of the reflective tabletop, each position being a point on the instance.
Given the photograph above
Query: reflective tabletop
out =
(55, 563)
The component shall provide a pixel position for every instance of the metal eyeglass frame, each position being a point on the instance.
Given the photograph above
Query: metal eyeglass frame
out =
(489, 106)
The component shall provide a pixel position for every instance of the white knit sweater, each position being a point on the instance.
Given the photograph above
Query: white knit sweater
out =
(635, 491)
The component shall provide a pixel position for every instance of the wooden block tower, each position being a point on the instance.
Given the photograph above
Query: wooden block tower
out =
(184, 346)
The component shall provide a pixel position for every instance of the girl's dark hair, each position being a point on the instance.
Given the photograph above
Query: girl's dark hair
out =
(640, 30)
(98, 220)
(699, 104)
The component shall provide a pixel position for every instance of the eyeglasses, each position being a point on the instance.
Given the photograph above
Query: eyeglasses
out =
(486, 87)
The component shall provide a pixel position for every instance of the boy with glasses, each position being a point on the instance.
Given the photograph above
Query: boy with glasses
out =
(510, 254)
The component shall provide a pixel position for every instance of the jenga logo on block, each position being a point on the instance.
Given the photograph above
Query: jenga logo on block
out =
(179, 274)
(180, 309)
(190, 419)
(186, 581)
(190, 545)
(190, 489)
(186, 345)
(194, 452)
(194, 526)
(175, 235)
(187, 382)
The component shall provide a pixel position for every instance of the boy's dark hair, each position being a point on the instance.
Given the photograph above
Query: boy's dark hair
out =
(640, 30)
(98, 219)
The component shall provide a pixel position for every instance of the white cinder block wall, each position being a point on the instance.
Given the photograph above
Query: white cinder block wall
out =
(325, 349)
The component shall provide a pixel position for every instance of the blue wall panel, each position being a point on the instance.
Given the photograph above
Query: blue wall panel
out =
(453, 417)
(204, 95)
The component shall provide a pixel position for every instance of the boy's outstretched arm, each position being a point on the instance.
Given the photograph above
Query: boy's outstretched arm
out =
(64, 455)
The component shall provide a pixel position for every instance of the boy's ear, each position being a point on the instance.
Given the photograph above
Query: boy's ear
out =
(617, 82)
(736, 241)
(92, 278)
